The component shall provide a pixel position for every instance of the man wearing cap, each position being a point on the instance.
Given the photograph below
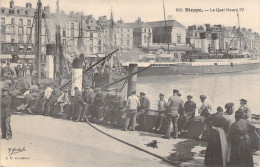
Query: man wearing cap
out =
(87, 100)
(144, 105)
(244, 109)
(162, 107)
(98, 105)
(5, 115)
(217, 147)
(108, 111)
(204, 111)
(56, 93)
(133, 103)
(189, 108)
(230, 117)
(118, 106)
(174, 103)
(47, 96)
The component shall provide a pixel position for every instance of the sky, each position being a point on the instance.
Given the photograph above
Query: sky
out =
(152, 10)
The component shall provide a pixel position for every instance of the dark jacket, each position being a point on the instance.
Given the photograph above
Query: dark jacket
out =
(190, 108)
(144, 103)
(5, 106)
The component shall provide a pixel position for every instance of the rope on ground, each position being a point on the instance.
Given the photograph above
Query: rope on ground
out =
(134, 146)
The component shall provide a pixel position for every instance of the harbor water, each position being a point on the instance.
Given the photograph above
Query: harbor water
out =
(219, 88)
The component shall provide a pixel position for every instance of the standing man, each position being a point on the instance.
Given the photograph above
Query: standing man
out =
(162, 107)
(98, 104)
(31, 69)
(144, 105)
(244, 109)
(87, 100)
(47, 96)
(133, 103)
(77, 103)
(204, 112)
(174, 103)
(190, 108)
(5, 115)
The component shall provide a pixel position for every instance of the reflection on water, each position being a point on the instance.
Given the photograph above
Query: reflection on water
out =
(219, 88)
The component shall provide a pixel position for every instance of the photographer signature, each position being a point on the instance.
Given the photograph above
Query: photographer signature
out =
(12, 151)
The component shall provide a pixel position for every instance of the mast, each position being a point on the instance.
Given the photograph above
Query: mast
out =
(111, 47)
(38, 38)
(239, 29)
(166, 34)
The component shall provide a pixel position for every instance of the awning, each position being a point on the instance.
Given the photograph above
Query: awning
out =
(5, 56)
(29, 47)
(21, 46)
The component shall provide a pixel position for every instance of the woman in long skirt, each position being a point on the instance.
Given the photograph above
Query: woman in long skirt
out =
(241, 155)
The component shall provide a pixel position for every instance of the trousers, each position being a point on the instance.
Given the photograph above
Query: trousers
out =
(130, 115)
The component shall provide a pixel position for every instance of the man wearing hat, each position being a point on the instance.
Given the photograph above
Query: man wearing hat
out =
(174, 103)
(189, 108)
(133, 103)
(244, 109)
(47, 96)
(204, 111)
(56, 93)
(5, 114)
(162, 107)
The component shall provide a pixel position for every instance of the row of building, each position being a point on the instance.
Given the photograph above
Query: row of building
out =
(102, 35)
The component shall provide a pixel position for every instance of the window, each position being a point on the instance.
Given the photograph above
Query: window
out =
(128, 42)
(144, 30)
(12, 30)
(20, 31)
(91, 50)
(91, 35)
(178, 39)
(72, 34)
(64, 42)
(12, 21)
(28, 30)
(2, 21)
(2, 30)
(20, 22)
(64, 33)
(145, 39)
(28, 22)
(72, 26)
(18, 11)
(99, 35)
(99, 42)
(127, 35)
(91, 42)
(175, 55)
(3, 10)
(122, 36)
(121, 30)
(26, 12)
(128, 30)
(99, 49)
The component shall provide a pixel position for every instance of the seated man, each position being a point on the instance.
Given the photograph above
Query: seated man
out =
(190, 108)
(47, 96)
(63, 100)
(98, 104)
(56, 93)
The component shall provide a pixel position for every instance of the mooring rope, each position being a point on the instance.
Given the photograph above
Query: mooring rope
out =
(134, 146)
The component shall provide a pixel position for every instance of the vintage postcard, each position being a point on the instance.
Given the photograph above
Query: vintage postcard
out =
(138, 83)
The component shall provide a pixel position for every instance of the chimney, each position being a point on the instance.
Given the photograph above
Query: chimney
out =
(12, 4)
(28, 5)
(243, 29)
(234, 27)
(250, 30)
(215, 39)
(204, 42)
(169, 17)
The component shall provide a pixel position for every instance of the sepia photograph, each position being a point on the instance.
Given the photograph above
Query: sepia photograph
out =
(130, 83)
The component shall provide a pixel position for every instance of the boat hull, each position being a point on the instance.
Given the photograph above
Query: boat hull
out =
(190, 69)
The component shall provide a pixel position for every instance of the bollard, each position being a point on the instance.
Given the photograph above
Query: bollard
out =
(133, 79)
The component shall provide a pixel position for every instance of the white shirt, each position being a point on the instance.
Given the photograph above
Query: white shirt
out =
(133, 102)
(47, 93)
